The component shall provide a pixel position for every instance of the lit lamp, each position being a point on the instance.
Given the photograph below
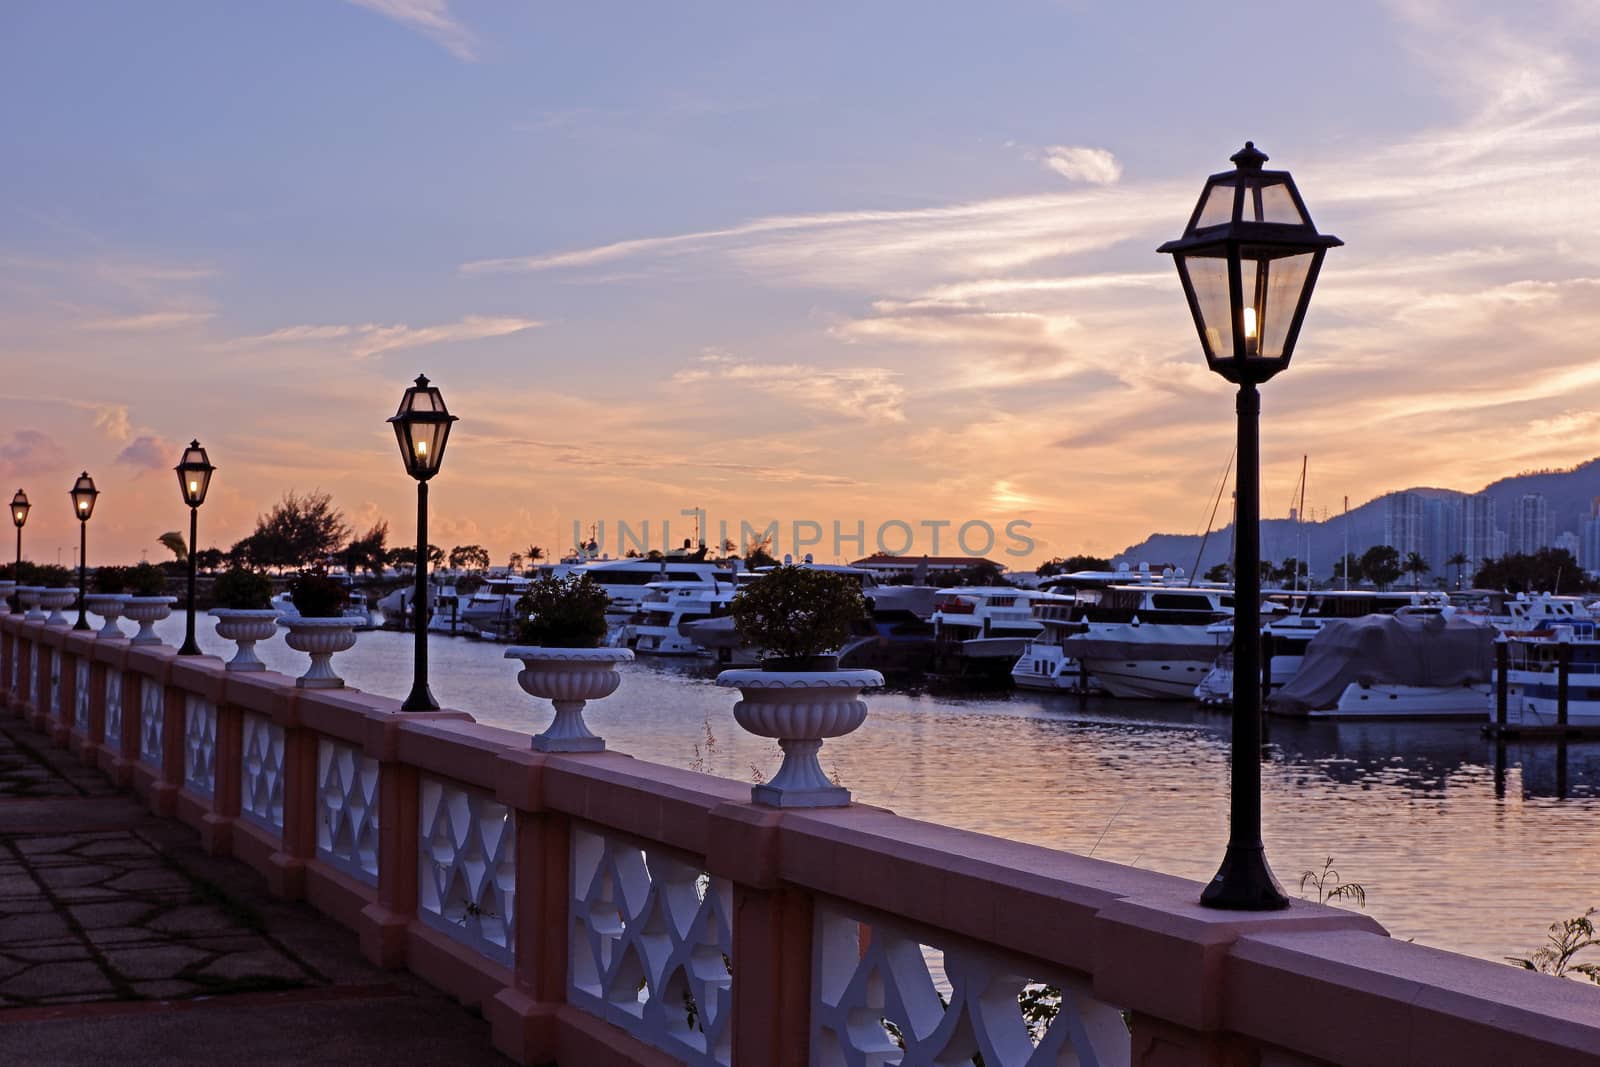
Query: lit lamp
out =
(194, 478)
(422, 426)
(1248, 261)
(19, 515)
(83, 496)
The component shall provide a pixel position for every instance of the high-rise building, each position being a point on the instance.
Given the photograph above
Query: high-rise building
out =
(1529, 528)
(1402, 523)
(1589, 538)
(1478, 539)
(1441, 531)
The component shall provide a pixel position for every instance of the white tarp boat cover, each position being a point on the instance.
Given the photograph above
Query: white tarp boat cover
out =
(1421, 650)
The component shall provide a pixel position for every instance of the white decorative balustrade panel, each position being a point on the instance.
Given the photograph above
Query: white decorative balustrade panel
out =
(199, 744)
(111, 734)
(651, 946)
(467, 869)
(80, 696)
(54, 705)
(35, 658)
(882, 994)
(261, 771)
(347, 809)
(152, 720)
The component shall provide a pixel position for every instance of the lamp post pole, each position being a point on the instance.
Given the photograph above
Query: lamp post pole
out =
(191, 647)
(16, 598)
(421, 698)
(83, 581)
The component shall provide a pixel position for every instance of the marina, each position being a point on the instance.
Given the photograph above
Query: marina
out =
(1413, 811)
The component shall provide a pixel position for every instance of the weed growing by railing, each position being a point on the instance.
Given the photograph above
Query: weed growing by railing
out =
(1563, 941)
(1331, 887)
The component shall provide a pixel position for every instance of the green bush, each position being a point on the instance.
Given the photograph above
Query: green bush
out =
(110, 580)
(316, 596)
(798, 612)
(565, 612)
(147, 580)
(243, 589)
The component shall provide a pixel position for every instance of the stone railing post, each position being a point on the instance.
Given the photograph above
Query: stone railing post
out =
(216, 826)
(94, 738)
(164, 790)
(25, 657)
(523, 1017)
(384, 922)
(63, 725)
(772, 938)
(287, 877)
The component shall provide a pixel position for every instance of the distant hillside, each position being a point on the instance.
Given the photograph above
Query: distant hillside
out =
(1569, 494)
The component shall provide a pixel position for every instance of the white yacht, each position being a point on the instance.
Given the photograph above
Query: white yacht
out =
(1533, 680)
(624, 580)
(980, 631)
(1044, 663)
(356, 607)
(492, 607)
(661, 625)
(1150, 642)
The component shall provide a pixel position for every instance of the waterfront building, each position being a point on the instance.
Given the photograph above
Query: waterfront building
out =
(885, 566)
(1441, 528)
(1529, 527)
(1589, 538)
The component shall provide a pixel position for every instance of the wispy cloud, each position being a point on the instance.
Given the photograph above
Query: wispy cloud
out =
(1076, 163)
(372, 339)
(431, 17)
(148, 321)
(112, 420)
(872, 393)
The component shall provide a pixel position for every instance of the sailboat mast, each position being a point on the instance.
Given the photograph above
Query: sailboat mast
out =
(1346, 564)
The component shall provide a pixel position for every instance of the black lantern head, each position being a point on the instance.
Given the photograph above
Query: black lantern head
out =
(194, 474)
(1248, 261)
(422, 425)
(83, 495)
(19, 508)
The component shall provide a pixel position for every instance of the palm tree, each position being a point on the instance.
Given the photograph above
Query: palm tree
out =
(534, 554)
(1415, 566)
(173, 541)
(1458, 561)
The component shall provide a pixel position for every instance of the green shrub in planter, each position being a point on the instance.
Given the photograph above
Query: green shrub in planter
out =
(567, 612)
(110, 580)
(147, 580)
(316, 596)
(243, 589)
(797, 615)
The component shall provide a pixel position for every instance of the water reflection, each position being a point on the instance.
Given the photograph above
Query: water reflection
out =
(1425, 815)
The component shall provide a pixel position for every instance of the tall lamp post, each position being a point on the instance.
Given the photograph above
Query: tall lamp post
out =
(83, 496)
(422, 426)
(1248, 261)
(194, 478)
(19, 515)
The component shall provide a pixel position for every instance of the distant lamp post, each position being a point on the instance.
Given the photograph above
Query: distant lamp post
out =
(194, 478)
(19, 515)
(422, 426)
(83, 496)
(1248, 261)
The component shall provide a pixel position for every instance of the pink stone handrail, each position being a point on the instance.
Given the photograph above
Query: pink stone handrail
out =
(600, 909)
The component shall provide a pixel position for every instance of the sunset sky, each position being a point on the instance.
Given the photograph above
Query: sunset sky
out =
(797, 262)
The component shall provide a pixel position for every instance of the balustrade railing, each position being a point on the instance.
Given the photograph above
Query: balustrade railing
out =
(598, 908)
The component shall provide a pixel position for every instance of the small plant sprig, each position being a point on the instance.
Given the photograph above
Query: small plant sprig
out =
(1330, 886)
(1563, 941)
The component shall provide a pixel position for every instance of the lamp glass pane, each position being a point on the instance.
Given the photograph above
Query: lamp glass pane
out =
(1250, 305)
(1283, 282)
(1218, 207)
(1278, 206)
(1208, 279)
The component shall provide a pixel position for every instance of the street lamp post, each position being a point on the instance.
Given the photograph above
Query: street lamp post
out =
(19, 515)
(1248, 261)
(422, 426)
(194, 478)
(83, 497)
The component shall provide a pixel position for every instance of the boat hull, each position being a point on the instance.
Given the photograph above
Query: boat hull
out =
(1171, 679)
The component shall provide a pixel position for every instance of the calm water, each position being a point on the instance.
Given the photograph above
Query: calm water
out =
(1411, 811)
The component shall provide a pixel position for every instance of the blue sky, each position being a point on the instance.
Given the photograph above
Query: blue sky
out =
(825, 261)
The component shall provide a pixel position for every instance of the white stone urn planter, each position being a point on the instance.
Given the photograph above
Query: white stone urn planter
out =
(245, 626)
(569, 678)
(53, 599)
(29, 595)
(109, 607)
(147, 611)
(799, 709)
(7, 589)
(321, 638)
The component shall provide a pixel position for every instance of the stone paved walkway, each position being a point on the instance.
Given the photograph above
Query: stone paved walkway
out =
(121, 940)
